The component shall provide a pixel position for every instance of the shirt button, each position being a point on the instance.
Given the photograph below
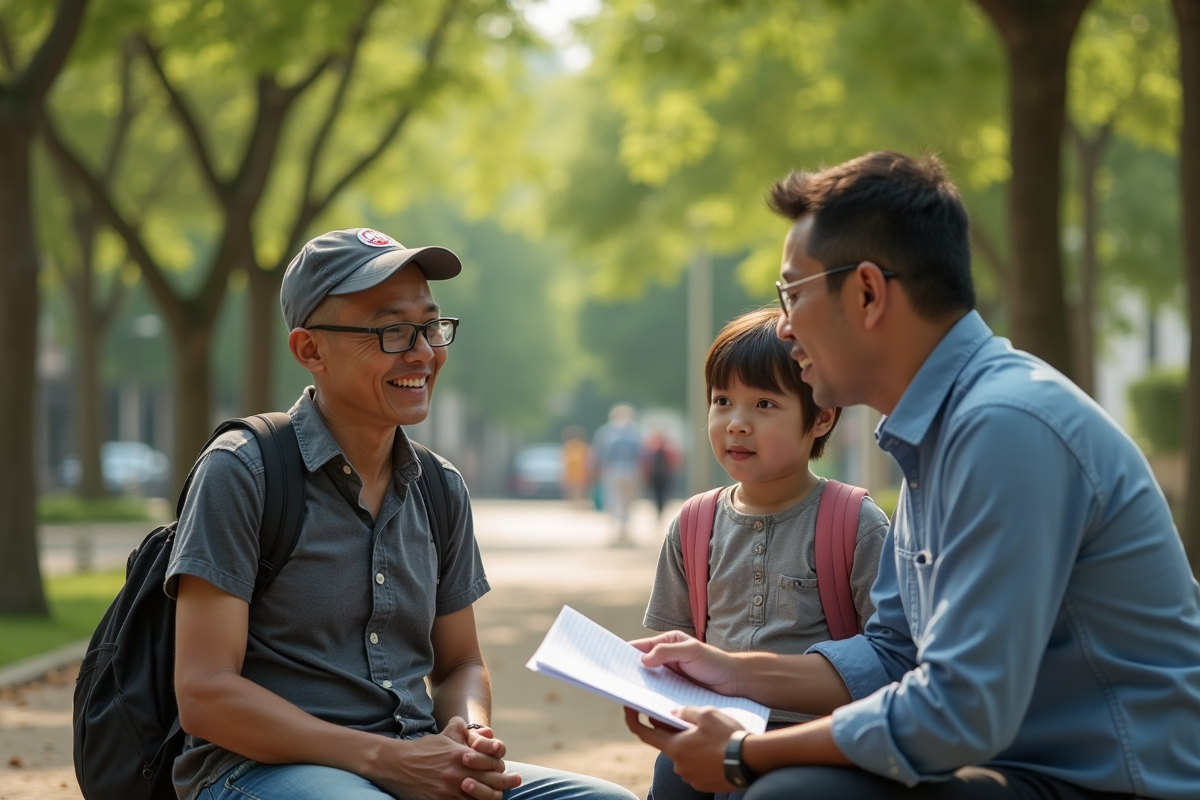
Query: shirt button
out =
(387, 684)
(758, 576)
(758, 524)
(379, 578)
(912, 484)
(374, 638)
(758, 599)
(346, 469)
(758, 548)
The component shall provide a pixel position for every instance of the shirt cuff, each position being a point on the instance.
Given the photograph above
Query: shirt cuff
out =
(860, 731)
(855, 660)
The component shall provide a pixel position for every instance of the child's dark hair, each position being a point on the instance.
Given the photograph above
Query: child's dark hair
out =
(748, 350)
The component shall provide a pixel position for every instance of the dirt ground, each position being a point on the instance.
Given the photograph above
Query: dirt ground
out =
(539, 556)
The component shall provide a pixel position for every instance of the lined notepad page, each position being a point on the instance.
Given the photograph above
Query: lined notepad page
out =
(584, 654)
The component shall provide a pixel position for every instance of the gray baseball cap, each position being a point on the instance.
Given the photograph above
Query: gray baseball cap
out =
(345, 261)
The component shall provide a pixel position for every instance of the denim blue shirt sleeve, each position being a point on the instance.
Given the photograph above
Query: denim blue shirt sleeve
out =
(1034, 606)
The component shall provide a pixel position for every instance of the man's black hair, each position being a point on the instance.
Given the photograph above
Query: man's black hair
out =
(902, 214)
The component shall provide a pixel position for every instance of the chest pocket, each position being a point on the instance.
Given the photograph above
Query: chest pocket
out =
(915, 578)
(798, 604)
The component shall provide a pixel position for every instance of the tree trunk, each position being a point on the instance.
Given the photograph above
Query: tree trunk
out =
(264, 321)
(1037, 36)
(193, 398)
(1187, 13)
(20, 576)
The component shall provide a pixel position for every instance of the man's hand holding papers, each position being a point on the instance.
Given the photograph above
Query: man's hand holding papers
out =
(699, 662)
(580, 652)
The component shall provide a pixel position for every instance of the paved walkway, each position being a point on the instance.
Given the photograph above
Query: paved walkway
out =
(539, 556)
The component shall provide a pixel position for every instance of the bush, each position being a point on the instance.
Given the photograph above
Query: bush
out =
(1157, 404)
(65, 509)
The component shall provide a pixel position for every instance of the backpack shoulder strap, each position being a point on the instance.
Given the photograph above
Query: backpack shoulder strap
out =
(435, 493)
(284, 474)
(283, 508)
(837, 534)
(695, 531)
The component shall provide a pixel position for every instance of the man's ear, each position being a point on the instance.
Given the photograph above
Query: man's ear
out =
(306, 350)
(872, 293)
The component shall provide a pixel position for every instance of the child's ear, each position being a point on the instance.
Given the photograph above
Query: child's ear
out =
(826, 417)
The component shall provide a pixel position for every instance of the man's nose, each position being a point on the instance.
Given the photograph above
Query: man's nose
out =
(421, 351)
(783, 327)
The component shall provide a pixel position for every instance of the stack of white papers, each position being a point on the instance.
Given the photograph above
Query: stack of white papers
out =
(580, 652)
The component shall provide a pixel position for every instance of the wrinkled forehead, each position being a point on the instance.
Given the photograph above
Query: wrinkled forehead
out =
(405, 294)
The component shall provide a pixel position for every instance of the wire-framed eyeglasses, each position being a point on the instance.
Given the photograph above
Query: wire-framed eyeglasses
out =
(785, 289)
(401, 336)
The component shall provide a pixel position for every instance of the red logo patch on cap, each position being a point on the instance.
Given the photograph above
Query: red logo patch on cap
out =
(376, 239)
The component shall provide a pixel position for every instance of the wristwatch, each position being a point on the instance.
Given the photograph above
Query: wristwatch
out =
(736, 771)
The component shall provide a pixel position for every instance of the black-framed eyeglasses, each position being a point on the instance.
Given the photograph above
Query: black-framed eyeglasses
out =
(401, 336)
(784, 289)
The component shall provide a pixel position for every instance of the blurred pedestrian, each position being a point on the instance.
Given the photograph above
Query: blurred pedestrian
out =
(576, 458)
(660, 465)
(617, 452)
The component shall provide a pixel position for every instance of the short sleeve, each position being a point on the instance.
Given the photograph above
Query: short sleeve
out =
(669, 608)
(217, 535)
(463, 580)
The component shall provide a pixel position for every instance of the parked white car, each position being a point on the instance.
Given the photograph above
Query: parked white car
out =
(129, 468)
(537, 471)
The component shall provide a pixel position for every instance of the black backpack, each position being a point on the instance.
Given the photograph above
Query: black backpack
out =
(125, 719)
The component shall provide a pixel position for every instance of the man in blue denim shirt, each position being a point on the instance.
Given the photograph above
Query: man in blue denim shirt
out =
(1037, 632)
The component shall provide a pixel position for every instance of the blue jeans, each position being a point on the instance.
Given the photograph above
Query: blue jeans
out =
(668, 785)
(253, 781)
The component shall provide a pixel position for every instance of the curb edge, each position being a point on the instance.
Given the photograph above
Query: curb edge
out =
(30, 669)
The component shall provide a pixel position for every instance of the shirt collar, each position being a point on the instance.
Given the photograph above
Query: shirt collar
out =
(318, 446)
(930, 387)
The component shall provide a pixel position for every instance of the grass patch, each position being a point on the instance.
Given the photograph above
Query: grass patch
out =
(77, 602)
(64, 509)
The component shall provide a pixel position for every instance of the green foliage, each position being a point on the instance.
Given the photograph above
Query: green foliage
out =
(77, 602)
(63, 509)
(1124, 71)
(1139, 242)
(639, 346)
(1157, 402)
(695, 108)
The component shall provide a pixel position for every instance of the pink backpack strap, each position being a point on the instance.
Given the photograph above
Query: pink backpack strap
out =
(695, 531)
(837, 534)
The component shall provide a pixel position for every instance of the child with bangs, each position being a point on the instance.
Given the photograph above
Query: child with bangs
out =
(760, 590)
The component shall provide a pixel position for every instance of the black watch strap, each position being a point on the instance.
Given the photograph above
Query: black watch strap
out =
(735, 768)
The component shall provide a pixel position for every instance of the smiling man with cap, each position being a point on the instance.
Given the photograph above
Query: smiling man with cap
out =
(318, 689)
